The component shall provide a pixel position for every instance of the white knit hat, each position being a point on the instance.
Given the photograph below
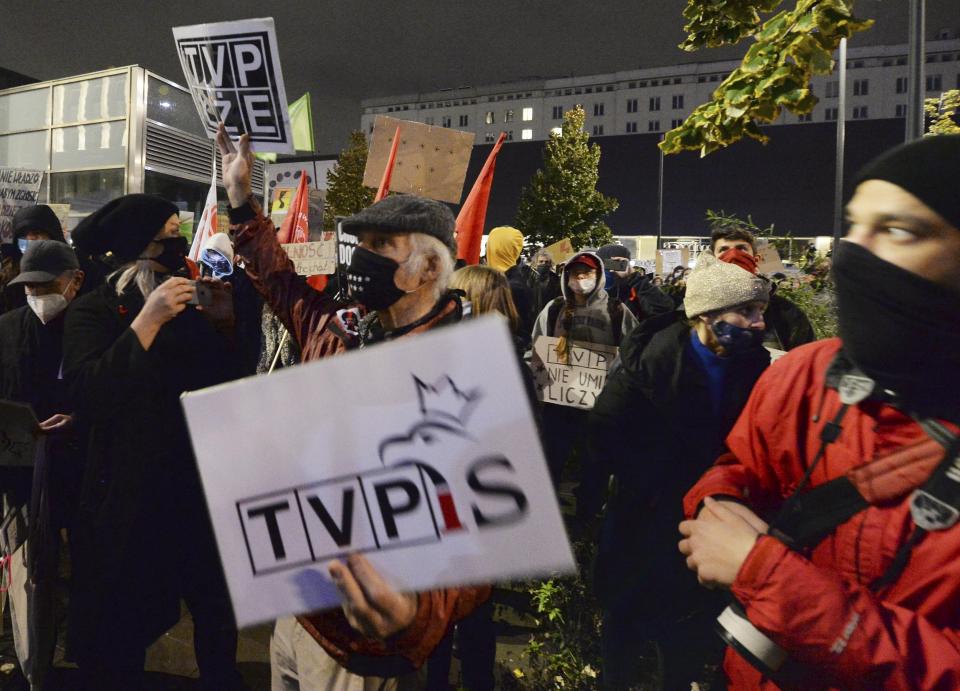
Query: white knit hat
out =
(715, 285)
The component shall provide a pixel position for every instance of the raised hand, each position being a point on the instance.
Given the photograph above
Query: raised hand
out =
(237, 166)
(371, 606)
(168, 300)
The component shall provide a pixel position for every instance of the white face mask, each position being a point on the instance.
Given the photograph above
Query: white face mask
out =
(47, 307)
(584, 286)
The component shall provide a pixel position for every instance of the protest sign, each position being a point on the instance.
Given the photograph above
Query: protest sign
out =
(233, 73)
(421, 453)
(313, 258)
(561, 251)
(575, 381)
(19, 431)
(431, 161)
(18, 188)
(668, 260)
(769, 262)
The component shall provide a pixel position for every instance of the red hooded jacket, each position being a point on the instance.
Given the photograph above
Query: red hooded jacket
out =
(821, 609)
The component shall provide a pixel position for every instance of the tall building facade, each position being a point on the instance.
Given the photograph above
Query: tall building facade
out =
(658, 99)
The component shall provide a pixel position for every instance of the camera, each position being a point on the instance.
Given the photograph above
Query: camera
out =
(616, 264)
(752, 644)
(202, 295)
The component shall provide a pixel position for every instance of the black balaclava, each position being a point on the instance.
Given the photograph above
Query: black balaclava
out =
(899, 328)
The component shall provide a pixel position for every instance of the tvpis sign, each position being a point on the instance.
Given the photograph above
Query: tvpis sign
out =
(233, 79)
(407, 503)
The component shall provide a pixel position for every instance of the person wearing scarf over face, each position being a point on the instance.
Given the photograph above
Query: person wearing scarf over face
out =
(685, 376)
(142, 539)
(871, 600)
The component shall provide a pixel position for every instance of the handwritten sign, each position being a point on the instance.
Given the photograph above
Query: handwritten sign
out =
(233, 73)
(18, 188)
(574, 381)
(561, 251)
(420, 453)
(668, 260)
(313, 258)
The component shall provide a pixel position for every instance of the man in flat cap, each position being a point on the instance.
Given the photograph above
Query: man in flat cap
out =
(398, 274)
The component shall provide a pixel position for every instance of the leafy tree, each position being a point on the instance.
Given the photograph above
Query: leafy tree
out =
(787, 50)
(941, 111)
(345, 191)
(562, 199)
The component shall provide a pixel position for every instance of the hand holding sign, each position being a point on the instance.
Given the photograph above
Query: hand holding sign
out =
(237, 164)
(371, 606)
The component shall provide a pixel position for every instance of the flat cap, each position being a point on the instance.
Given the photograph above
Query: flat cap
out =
(406, 213)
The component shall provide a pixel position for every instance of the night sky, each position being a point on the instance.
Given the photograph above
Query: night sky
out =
(343, 52)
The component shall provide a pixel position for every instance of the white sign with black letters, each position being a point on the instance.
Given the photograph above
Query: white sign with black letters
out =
(420, 453)
(233, 73)
(574, 379)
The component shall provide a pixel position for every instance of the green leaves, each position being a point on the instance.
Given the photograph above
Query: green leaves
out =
(561, 199)
(942, 113)
(775, 73)
(346, 194)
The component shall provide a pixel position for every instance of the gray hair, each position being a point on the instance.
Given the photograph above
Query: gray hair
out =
(138, 272)
(423, 248)
(541, 253)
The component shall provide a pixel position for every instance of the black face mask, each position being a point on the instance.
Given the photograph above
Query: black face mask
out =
(899, 328)
(543, 270)
(736, 339)
(173, 255)
(370, 278)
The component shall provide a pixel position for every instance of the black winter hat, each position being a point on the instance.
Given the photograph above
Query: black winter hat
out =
(37, 218)
(613, 250)
(406, 213)
(927, 168)
(124, 226)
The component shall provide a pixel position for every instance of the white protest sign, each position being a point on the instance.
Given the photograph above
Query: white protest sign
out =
(769, 262)
(420, 453)
(233, 72)
(668, 260)
(575, 381)
(313, 258)
(18, 188)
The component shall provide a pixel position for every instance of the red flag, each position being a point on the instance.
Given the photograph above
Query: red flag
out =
(473, 213)
(294, 227)
(384, 188)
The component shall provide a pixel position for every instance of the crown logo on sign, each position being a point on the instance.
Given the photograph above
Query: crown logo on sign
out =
(442, 400)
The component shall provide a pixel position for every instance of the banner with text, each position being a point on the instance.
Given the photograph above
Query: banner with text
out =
(233, 73)
(18, 188)
(313, 258)
(423, 455)
(575, 380)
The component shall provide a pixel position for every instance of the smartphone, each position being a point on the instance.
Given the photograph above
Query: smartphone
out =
(616, 264)
(202, 295)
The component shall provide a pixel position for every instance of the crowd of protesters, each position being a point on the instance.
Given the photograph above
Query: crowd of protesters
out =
(811, 501)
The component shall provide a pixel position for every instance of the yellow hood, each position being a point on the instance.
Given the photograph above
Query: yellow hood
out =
(504, 245)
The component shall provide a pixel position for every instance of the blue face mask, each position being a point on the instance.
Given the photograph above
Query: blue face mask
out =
(611, 280)
(735, 339)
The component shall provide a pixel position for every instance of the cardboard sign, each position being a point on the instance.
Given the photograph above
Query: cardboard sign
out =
(668, 260)
(312, 258)
(18, 188)
(19, 432)
(420, 453)
(561, 251)
(769, 262)
(233, 72)
(575, 382)
(431, 161)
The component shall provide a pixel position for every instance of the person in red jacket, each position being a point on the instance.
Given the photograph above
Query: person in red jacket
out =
(399, 273)
(869, 599)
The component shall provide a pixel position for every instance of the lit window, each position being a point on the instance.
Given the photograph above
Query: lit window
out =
(557, 131)
(527, 114)
(489, 119)
(526, 134)
(508, 116)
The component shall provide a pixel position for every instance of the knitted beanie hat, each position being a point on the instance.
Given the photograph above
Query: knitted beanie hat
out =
(715, 285)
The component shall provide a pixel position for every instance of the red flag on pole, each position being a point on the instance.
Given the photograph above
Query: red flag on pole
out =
(473, 213)
(294, 227)
(384, 188)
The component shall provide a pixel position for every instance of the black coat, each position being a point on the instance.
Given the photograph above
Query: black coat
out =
(519, 279)
(30, 356)
(655, 427)
(643, 298)
(141, 523)
(787, 323)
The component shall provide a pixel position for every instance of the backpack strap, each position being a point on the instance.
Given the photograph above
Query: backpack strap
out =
(615, 312)
(553, 312)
